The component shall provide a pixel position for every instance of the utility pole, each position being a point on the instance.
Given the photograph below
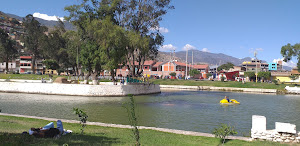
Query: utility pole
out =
(192, 57)
(186, 64)
(255, 53)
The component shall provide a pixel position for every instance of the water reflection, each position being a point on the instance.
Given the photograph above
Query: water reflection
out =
(185, 110)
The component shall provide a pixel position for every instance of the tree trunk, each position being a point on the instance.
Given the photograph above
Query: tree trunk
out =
(94, 78)
(112, 73)
(6, 65)
(86, 78)
(33, 64)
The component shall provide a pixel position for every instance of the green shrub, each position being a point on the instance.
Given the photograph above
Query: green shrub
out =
(275, 82)
(82, 117)
(223, 131)
(130, 108)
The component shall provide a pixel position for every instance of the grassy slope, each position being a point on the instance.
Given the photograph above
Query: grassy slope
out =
(11, 127)
(27, 76)
(218, 84)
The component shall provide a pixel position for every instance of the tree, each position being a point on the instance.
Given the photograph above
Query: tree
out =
(34, 32)
(139, 18)
(294, 77)
(73, 47)
(249, 74)
(51, 64)
(194, 72)
(289, 51)
(264, 75)
(223, 131)
(173, 74)
(7, 48)
(226, 66)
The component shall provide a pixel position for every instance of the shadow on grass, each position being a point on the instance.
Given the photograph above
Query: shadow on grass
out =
(226, 140)
(71, 139)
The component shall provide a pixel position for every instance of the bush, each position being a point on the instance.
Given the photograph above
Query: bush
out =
(223, 131)
(82, 117)
(222, 79)
(130, 108)
(173, 74)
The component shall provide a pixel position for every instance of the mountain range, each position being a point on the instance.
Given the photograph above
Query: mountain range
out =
(49, 24)
(200, 57)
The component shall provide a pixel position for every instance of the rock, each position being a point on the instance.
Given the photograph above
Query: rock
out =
(263, 137)
(283, 137)
(287, 140)
(61, 80)
(285, 127)
(269, 139)
(279, 140)
(291, 138)
(298, 138)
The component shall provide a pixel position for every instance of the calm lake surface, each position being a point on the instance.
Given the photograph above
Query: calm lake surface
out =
(185, 110)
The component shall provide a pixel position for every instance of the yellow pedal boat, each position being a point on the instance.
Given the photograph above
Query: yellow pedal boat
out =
(232, 101)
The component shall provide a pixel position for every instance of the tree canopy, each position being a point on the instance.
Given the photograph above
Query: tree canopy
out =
(34, 33)
(126, 31)
(7, 48)
(289, 51)
(226, 66)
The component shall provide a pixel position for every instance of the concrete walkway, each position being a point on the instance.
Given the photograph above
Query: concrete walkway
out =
(192, 133)
(249, 90)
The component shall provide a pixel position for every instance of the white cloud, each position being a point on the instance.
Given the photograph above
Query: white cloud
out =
(205, 50)
(160, 29)
(188, 47)
(46, 17)
(289, 63)
(167, 47)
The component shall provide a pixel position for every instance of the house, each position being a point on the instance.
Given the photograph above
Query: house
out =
(12, 66)
(152, 67)
(255, 64)
(283, 76)
(26, 63)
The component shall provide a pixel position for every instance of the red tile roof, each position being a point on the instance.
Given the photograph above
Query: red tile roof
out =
(149, 62)
(25, 57)
(157, 64)
(180, 63)
(202, 66)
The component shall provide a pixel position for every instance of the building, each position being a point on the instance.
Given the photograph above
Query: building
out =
(152, 67)
(275, 66)
(12, 66)
(26, 63)
(281, 76)
(253, 64)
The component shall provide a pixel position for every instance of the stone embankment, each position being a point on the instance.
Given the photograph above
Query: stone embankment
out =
(128, 126)
(283, 132)
(250, 90)
(78, 89)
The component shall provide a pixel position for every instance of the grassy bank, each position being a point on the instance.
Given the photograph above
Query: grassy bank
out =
(36, 77)
(219, 84)
(12, 127)
(27, 76)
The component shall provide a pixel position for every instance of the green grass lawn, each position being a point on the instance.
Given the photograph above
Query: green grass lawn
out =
(218, 83)
(27, 76)
(12, 127)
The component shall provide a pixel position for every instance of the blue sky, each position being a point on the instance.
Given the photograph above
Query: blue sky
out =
(232, 27)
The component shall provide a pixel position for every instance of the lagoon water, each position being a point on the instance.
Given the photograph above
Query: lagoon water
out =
(185, 110)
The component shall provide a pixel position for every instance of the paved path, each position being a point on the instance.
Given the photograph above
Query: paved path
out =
(192, 133)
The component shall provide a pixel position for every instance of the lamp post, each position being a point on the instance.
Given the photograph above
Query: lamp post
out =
(255, 53)
(186, 64)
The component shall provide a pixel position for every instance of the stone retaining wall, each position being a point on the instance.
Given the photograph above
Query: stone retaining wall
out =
(283, 132)
(79, 89)
(251, 90)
